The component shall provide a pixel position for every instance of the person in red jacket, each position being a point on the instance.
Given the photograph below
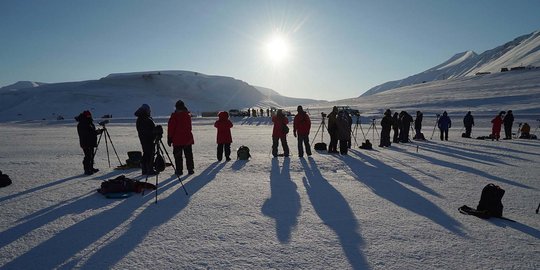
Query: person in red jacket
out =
(301, 127)
(496, 128)
(280, 133)
(180, 137)
(224, 137)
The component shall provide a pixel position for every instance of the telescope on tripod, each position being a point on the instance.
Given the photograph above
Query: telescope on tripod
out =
(107, 140)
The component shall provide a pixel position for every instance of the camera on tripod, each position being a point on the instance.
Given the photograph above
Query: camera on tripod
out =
(103, 123)
(438, 115)
(324, 115)
(158, 132)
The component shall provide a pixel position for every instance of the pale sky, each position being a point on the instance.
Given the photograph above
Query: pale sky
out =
(320, 49)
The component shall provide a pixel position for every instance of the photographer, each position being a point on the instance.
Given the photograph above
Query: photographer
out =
(87, 140)
(145, 130)
(332, 130)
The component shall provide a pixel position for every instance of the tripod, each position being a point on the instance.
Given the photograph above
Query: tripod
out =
(354, 131)
(434, 127)
(323, 126)
(107, 137)
(373, 130)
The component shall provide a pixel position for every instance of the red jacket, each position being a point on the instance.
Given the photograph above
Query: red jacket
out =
(179, 128)
(497, 122)
(279, 122)
(302, 124)
(223, 125)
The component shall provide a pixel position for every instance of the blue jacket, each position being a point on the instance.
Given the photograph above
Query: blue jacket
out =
(445, 122)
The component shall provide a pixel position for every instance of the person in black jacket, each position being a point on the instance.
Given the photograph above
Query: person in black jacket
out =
(395, 127)
(145, 130)
(87, 140)
(508, 121)
(468, 122)
(386, 124)
(405, 120)
(333, 130)
(418, 125)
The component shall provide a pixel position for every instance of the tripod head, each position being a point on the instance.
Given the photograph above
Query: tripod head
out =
(103, 123)
(158, 133)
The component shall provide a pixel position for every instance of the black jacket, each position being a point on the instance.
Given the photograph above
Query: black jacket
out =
(145, 127)
(87, 131)
(468, 120)
(508, 120)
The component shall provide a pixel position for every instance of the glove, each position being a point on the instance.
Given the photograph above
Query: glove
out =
(169, 141)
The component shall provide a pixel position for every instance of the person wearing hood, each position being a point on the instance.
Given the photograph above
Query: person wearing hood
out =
(444, 125)
(343, 123)
(468, 122)
(332, 130)
(279, 133)
(386, 124)
(145, 130)
(405, 120)
(418, 125)
(224, 137)
(180, 137)
(87, 140)
(508, 122)
(301, 128)
(395, 127)
(496, 127)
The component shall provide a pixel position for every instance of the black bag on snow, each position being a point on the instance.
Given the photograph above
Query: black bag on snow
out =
(159, 163)
(490, 200)
(367, 145)
(4, 180)
(320, 146)
(243, 153)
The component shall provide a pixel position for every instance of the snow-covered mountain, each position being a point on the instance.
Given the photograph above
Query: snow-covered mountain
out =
(20, 85)
(122, 93)
(523, 51)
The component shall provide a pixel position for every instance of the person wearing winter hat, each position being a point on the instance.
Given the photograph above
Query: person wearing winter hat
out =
(224, 137)
(145, 130)
(508, 121)
(301, 128)
(87, 140)
(386, 124)
(180, 137)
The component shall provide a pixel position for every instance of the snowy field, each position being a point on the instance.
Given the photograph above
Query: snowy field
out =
(392, 208)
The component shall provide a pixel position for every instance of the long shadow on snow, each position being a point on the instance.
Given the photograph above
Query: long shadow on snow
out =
(461, 155)
(388, 187)
(516, 226)
(505, 149)
(486, 153)
(466, 169)
(150, 218)
(335, 212)
(63, 245)
(284, 202)
(57, 182)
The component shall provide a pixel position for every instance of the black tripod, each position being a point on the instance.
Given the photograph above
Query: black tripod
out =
(354, 131)
(160, 148)
(434, 127)
(323, 126)
(107, 137)
(373, 129)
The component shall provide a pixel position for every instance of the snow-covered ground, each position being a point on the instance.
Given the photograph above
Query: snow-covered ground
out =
(392, 208)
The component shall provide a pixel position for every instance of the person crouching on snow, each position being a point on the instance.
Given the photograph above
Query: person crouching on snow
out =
(224, 137)
(88, 140)
(180, 137)
(279, 132)
(145, 130)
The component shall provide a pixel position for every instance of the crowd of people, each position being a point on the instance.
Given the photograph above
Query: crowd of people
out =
(180, 136)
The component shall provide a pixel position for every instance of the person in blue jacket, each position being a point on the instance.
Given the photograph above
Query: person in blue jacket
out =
(444, 125)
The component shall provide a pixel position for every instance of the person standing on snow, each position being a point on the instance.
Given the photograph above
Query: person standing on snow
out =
(301, 128)
(496, 128)
(395, 127)
(332, 130)
(418, 125)
(386, 124)
(180, 137)
(224, 137)
(468, 122)
(145, 130)
(508, 122)
(87, 140)
(343, 123)
(444, 125)
(279, 133)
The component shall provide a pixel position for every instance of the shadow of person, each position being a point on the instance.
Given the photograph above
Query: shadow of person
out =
(51, 184)
(335, 212)
(516, 226)
(54, 252)
(150, 218)
(381, 179)
(284, 202)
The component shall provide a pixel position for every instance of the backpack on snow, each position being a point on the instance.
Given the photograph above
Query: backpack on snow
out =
(243, 153)
(320, 146)
(4, 180)
(490, 204)
(159, 163)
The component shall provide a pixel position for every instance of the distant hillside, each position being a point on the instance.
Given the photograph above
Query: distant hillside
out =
(121, 94)
(521, 52)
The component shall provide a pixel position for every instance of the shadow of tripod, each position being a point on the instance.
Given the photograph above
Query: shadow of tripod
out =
(160, 148)
(107, 137)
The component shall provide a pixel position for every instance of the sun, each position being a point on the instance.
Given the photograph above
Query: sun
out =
(277, 49)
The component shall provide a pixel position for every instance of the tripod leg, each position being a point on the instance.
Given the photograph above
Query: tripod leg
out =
(97, 146)
(109, 136)
(172, 164)
(434, 127)
(157, 175)
(107, 147)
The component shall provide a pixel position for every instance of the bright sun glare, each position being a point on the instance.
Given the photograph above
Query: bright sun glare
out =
(277, 49)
